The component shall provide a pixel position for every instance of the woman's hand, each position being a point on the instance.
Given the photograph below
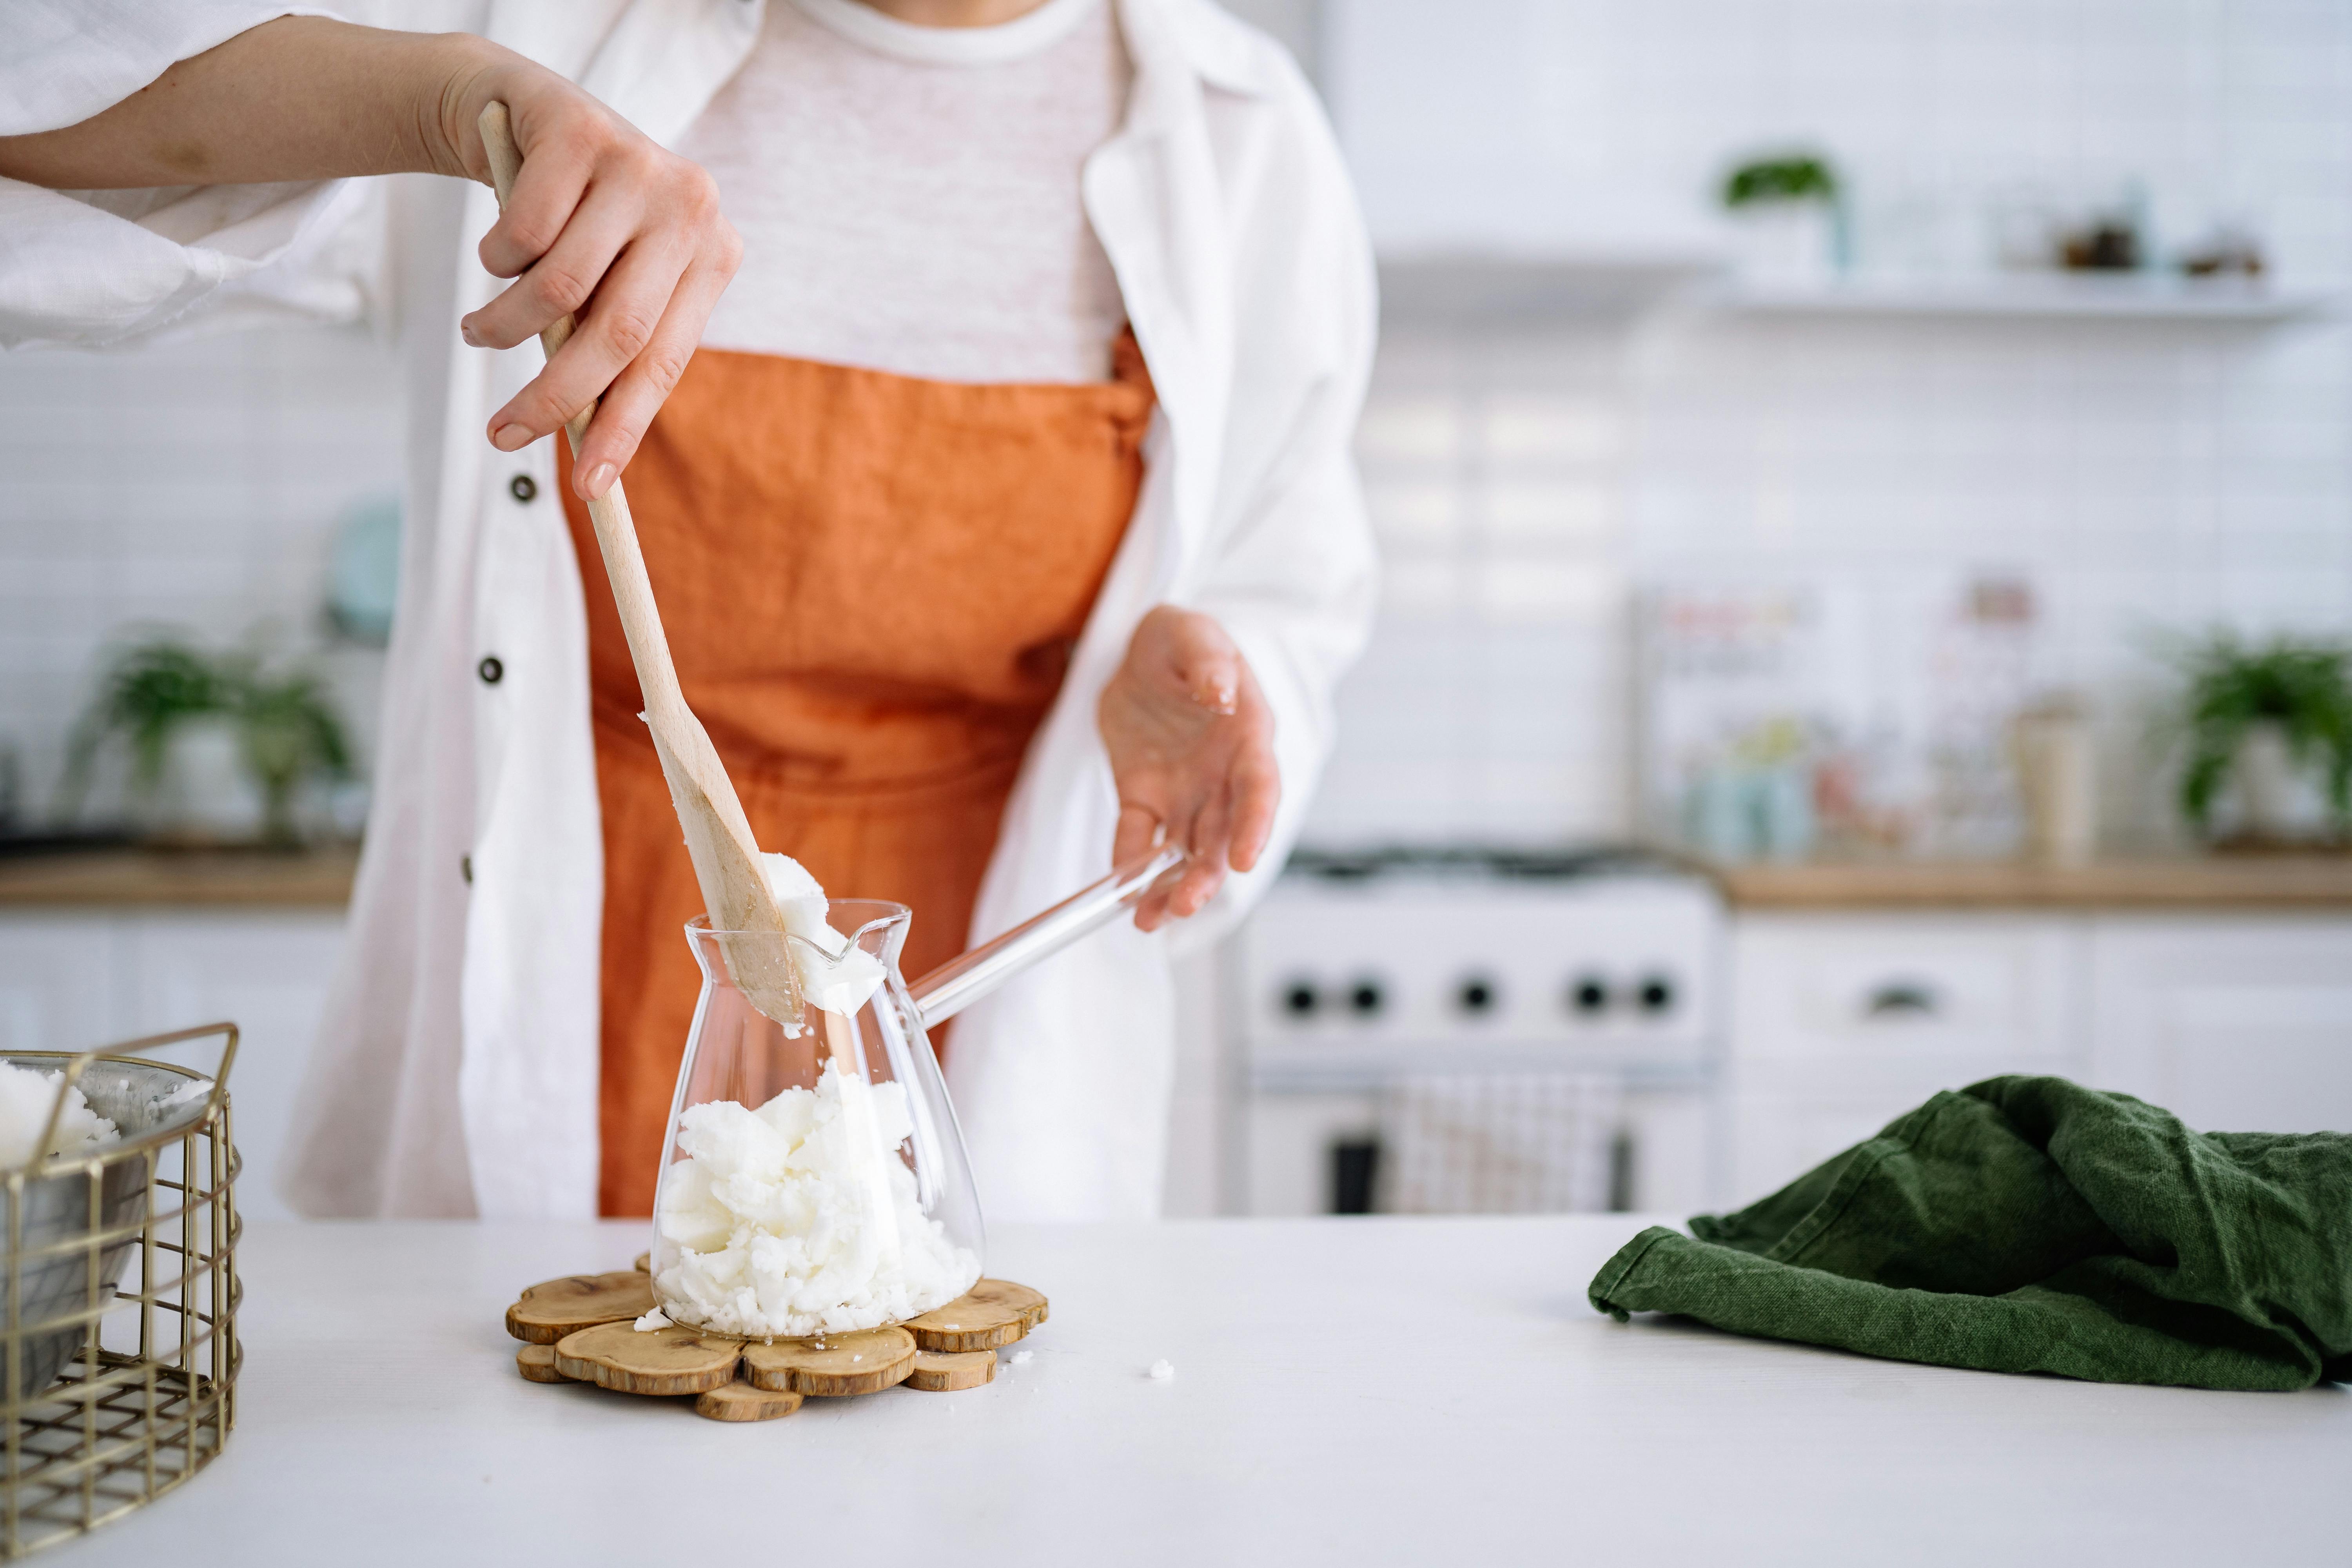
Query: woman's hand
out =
(602, 224)
(1191, 748)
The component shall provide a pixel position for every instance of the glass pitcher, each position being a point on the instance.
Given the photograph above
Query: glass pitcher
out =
(815, 1181)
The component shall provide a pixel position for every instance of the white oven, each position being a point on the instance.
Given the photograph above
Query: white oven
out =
(1359, 971)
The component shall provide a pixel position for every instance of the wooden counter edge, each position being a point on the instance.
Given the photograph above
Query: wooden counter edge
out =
(133, 878)
(2281, 883)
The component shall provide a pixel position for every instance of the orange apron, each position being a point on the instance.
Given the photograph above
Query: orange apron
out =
(872, 584)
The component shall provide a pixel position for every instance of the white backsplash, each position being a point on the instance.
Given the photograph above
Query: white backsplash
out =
(1527, 477)
(195, 486)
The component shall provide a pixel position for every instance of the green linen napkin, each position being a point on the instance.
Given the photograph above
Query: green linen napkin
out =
(2032, 1225)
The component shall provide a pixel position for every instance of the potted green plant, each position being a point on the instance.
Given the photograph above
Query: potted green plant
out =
(2267, 717)
(1788, 211)
(290, 733)
(203, 729)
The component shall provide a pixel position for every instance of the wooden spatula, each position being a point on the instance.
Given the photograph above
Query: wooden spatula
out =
(718, 834)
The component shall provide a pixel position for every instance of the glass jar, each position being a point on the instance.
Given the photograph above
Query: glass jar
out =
(814, 1179)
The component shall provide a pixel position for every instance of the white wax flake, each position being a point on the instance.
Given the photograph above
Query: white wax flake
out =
(800, 1218)
(836, 975)
(1022, 1358)
(857, 1358)
(1161, 1370)
(656, 1319)
(27, 1095)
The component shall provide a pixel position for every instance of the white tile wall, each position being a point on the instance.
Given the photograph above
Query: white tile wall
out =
(197, 484)
(1526, 479)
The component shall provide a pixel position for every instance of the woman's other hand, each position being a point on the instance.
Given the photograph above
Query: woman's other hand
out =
(1191, 748)
(605, 225)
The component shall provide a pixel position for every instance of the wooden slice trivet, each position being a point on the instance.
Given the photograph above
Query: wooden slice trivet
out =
(675, 1360)
(741, 1400)
(994, 1313)
(582, 1329)
(944, 1372)
(554, 1307)
(865, 1363)
(645, 1263)
(536, 1364)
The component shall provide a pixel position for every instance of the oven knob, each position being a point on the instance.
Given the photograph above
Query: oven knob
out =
(1299, 999)
(1656, 994)
(1477, 996)
(1589, 995)
(1366, 998)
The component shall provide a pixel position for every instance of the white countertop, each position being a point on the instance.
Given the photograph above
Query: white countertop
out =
(1347, 1391)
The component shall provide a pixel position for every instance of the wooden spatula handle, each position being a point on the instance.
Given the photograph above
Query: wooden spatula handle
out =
(616, 532)
(717, 834)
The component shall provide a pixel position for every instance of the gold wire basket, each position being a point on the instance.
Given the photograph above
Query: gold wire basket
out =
(118, 1350)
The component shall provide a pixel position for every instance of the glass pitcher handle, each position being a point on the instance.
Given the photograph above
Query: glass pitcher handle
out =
(959, 981)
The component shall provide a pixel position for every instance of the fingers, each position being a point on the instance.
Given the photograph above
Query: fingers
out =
(1210, 673)
(1254, 778)
(1139, 829)
(1203, 839)
(549, 188)
(620, 323)
(1200, 658)
(603, 227)
(561, 279)
(1190, 732)
(1257, 794)
(638, 393)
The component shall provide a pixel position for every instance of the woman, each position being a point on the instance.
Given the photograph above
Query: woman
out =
(1005, 519)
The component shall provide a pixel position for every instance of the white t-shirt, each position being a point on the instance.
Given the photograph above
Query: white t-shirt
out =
(908, 197)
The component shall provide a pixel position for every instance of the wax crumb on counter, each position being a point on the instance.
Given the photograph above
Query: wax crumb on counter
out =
(28, 1095)
(800, 1218)
(656, 1319)
(1161, 1370)
(1022, 1358)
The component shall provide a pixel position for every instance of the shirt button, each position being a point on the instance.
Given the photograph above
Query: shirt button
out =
(490, 669)
(524, 488)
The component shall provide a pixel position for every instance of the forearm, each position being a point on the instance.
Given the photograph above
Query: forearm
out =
(301, 98)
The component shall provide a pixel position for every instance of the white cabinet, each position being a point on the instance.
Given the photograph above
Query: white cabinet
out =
(1841, 1023)
(57, 983)
(1945, 991)
(2241, 1025)
(72, 980)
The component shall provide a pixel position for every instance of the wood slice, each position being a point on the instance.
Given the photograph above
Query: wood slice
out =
(863, 1363)
(943, 1372)
(645, 1263)
(536, 1364)
(554, 1307)
(675, 1360)
(994, 1313)
(741, 1400)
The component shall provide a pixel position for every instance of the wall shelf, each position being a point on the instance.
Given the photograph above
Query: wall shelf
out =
(2036, 296)
(1461, 287)
(1470, 286)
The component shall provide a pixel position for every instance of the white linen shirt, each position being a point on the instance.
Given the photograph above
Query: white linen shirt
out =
(457, 1070)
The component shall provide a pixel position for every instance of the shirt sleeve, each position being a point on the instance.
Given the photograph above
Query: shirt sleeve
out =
(1291, 570)
(96, 269)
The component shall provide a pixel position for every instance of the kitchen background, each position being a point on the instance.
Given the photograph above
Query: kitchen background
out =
(1751, 534)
